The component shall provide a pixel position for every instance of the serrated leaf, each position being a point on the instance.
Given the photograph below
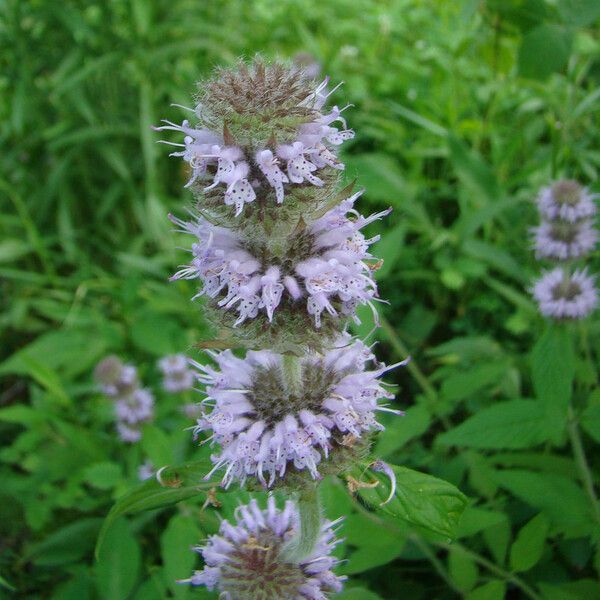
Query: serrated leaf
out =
(461, 385)
(528, 548)
(179, 483)
(512, 424)
(420, 499)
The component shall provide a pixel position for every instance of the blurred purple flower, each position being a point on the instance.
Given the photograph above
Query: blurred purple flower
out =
(566, 200)
(177, 374)
(563, 240)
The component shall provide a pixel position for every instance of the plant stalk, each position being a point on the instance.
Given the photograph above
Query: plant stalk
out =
(309, 511)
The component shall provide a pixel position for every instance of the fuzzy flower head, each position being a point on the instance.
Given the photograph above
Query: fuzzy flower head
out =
(177, 375)
(566, 200)
(323, 268)
(115, 378)
(266, 426)
(247, 561)
(561, 295)
(564, 240)
(261, 130)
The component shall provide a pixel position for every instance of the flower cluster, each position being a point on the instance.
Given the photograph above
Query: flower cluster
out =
(265, 426)
(133, 405)
(566, 233)
(282, 282)
(239, 169)
(177, 375)
(326, 268)
(248, 559)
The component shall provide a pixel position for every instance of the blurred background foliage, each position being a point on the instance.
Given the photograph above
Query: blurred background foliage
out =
(462, 111)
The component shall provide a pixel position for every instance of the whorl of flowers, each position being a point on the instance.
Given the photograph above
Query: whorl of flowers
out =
(566, 233)
(177, 375)
(325, 266)
(303, 144)
(248, 559)
(566, 200)
(561, 295)
(266, 425)
(133, 405)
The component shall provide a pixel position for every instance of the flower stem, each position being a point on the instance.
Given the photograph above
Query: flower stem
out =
(309, 510)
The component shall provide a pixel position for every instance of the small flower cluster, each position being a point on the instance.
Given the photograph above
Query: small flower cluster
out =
(264, 427)
(333, 270)
(210, 155)
(177, 375)
(133, 405)
(247, 560)
(566, 233)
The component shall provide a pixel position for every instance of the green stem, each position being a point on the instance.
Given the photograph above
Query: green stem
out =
(309, 510)
(585, 473)
(292, 373)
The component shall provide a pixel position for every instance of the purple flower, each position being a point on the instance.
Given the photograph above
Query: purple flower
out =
(566, 200)
(114, 378)
(177, 375)
(206, 152)
(264, 427)
(561, 295)
(564, 240)
(146, 470)
(335, 278)
(247, 560)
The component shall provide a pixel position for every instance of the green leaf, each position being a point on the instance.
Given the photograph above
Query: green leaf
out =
(179, 483)
(550, 493)
(476, 519)
(462, 570)
(463, 384)
(156, 334)
(579, 12)
(420, 499)
(590, 421)
(181, 534)
(379, 175)
(493, 590)
(552, 372)
(473, 171)
(414, 423)
(103, 475)
(511, 424)
(66, 545)
(118, 563)
(528, 548)
(544, 50)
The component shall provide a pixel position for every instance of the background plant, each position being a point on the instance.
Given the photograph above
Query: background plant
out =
(463, 110)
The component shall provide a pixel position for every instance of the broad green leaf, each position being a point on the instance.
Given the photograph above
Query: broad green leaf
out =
(511, 424)
(103, 475)
(476, 519)
(463, 384)
(156, 334)
(544, 50)
(462, 570)
(420, 499)
(552, 372)
(590, 421)
(551, 493)
(179, 483)
(182, 533)
(493, 590)
(380, 175)
(157, 446)
(118, 565)
(528, 548)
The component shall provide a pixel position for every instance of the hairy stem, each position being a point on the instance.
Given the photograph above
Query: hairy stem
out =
(309, 510)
